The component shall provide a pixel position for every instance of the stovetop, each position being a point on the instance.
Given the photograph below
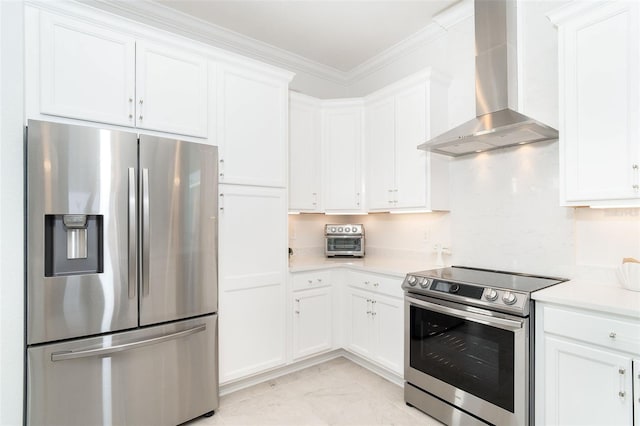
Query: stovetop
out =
(496, 290)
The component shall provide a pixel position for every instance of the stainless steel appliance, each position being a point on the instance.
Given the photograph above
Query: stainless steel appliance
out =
(344, 240)
(496, 125)
(469, 344)
(121, 278)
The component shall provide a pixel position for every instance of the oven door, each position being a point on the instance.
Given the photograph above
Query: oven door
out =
(344, 245)
(473, 359)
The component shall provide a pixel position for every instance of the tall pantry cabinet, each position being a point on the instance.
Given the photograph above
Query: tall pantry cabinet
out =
(252, 112)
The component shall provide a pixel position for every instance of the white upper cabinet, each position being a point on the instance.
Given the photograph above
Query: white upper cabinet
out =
(252, 127)
(399, 118)
(86, 72)
(380, 155)
(171, 89)
(305, 152)
(599, 45)
(93, 73)
(342, 134)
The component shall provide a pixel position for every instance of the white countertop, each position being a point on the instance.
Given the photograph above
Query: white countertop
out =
(610, 299)
(390, 265)
(597, 297)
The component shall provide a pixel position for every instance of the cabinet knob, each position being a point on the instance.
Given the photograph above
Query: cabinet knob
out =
(376, 284)
(140, 118)
(221, 175)
(310, 281)
(612, 334)
(319, 280)
(635, 167)
(130, 99)
(130, 116)
(298, 300)
(621, 370)
(636, 187)
(298, 312)
(366, 283)
(621, 394)
(140, 101)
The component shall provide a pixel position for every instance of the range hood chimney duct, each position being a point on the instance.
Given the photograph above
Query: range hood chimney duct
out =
(497, 124)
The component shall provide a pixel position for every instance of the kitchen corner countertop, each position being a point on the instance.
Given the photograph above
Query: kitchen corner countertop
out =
(390, 265)
(595, 297)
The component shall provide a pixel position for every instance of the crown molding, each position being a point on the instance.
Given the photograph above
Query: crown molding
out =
(160, 16)
(454, 14)
(163, 17)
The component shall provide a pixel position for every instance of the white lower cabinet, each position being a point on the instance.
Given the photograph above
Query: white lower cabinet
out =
(374, 328)
(312, 322)
(585, 368)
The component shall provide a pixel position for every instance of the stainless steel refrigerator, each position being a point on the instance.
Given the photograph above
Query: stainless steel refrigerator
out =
(121, 276)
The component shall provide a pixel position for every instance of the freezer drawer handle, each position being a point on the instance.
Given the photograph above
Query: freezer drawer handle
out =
(61, 356)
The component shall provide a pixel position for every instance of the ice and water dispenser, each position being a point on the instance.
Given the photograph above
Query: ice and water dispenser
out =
(73, 244)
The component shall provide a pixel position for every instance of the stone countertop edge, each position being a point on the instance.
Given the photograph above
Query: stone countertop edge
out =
(378, 264)
(595, 297)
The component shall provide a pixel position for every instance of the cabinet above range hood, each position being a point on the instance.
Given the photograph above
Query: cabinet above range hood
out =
(496, 125)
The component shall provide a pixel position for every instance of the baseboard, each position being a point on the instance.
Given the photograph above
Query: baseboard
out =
(255, 379)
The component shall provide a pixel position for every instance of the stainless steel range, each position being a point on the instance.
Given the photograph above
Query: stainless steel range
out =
(469, 344)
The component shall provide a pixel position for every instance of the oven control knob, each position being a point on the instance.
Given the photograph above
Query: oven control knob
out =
(340, 229)
(333, 229)
(509, 298)
(412, 280)
(424, 283)
(491, 295)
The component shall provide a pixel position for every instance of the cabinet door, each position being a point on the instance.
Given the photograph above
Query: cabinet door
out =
(252, 273)
(410, 162)
(171, 90)
(586, 385)
(86, 72)
(380, 154)
(312, 322)
(388, 323)
(252, 126)
(599, 97)
(342, 140)
(304, 154)
(359, 321)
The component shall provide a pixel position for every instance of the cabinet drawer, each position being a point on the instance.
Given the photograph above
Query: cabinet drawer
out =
(589, 327)
(304, 280)
(374, 282)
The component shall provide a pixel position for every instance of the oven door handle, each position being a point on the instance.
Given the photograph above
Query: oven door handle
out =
(502, 323)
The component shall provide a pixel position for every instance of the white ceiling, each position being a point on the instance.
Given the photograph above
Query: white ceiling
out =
(337, 34)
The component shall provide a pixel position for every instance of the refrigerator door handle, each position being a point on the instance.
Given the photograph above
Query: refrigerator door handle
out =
(62, 356)
(145, 232)
(132, 233)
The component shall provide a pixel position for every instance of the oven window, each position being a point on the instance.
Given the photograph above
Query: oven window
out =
(474, 357)
(344, 244)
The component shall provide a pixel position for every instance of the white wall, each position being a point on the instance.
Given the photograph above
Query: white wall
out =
(11, 213)
(413, 234)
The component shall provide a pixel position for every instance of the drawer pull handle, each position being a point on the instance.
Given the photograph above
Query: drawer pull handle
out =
(612, 335)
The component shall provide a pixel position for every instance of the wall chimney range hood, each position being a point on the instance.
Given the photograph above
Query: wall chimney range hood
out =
(496, 124)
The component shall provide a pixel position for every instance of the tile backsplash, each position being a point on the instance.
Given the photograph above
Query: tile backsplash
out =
(505, 214)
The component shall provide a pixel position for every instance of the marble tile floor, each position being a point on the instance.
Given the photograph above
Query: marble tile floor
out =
(337, 392)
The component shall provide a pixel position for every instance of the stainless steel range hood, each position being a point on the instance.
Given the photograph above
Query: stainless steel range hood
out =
(496, 125)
